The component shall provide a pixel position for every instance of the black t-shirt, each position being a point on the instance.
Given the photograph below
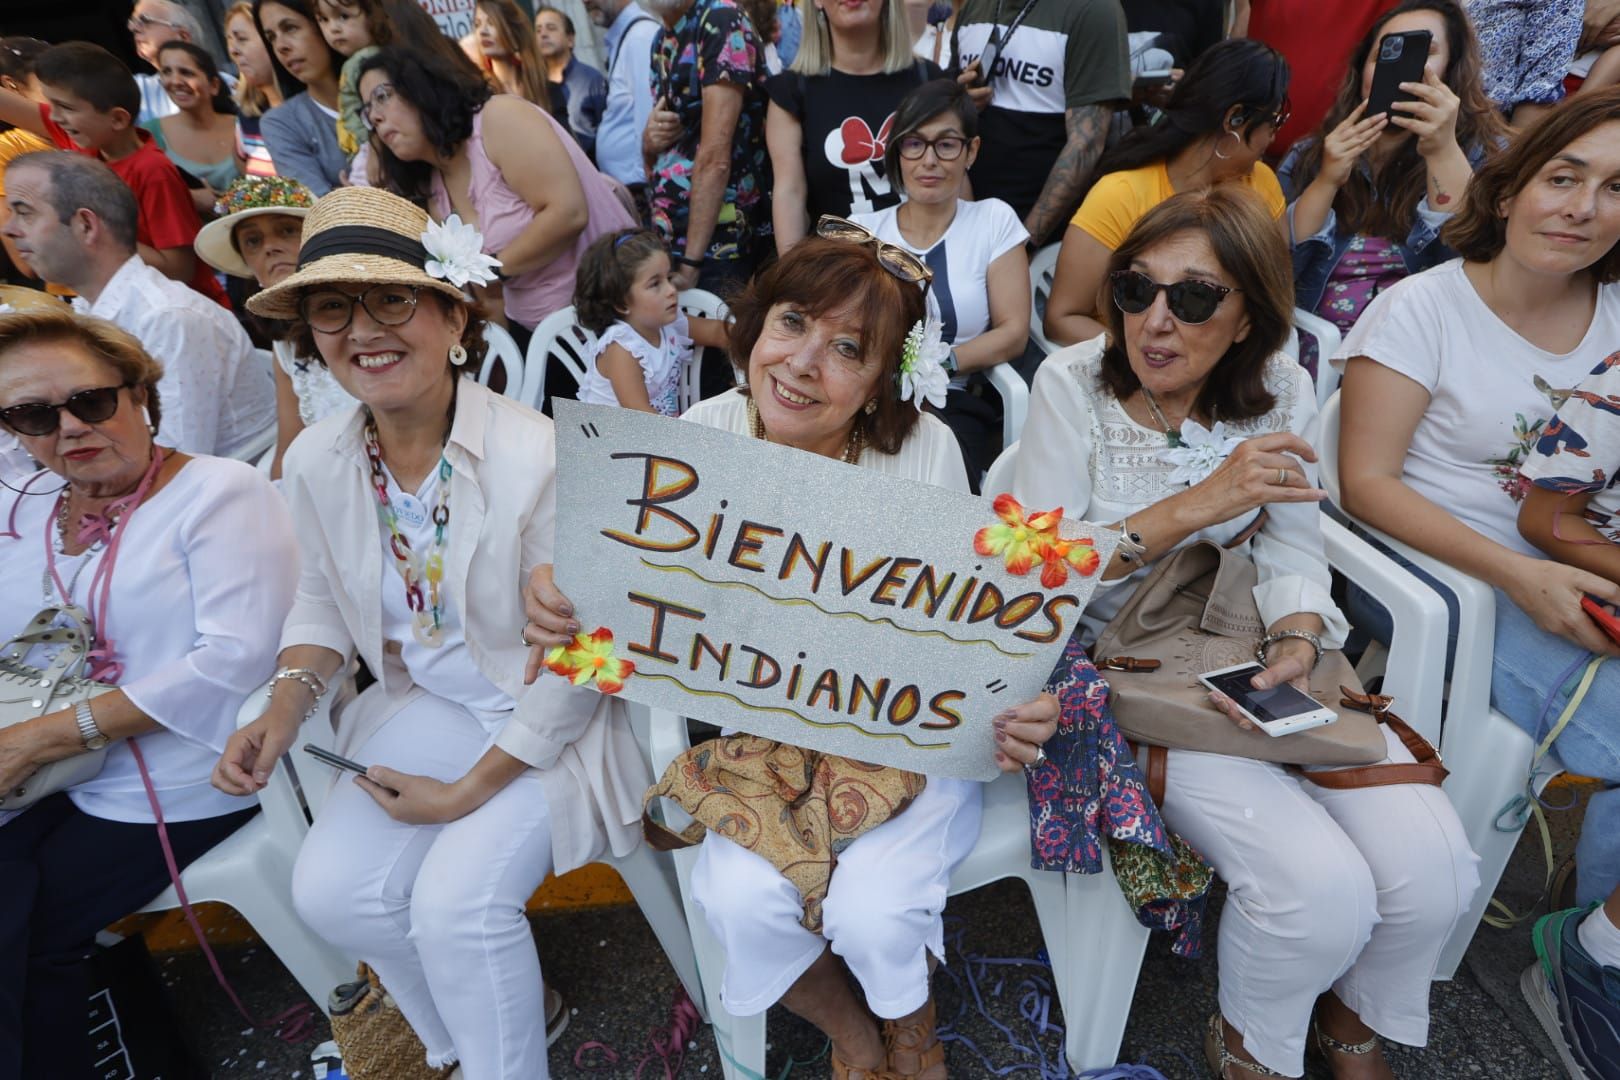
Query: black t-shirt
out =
(1185, 27)
(846, 121)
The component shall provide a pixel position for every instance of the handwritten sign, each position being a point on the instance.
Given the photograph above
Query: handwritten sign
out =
(809, 601)
(455, 17)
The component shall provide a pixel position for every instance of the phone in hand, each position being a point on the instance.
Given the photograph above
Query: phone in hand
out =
(1607, 621)
(1400, 59)
(1281, 710)
(334, 760)
(1151, 79)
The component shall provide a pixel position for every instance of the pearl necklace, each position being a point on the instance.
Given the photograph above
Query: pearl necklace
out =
(853, 446)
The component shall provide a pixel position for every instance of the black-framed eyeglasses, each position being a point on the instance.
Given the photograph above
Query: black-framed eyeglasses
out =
(381, 95)
(43, 418)
(946, 147)
(1191, 302)
(896, 260)
(332, 310)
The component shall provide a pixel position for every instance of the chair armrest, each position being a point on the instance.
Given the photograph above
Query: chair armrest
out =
(666, 738)
(1327, 337)
(1415, 676)
(1014, 400)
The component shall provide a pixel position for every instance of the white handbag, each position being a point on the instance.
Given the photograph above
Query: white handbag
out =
(27, 692)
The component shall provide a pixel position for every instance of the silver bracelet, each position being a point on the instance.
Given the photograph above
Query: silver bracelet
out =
(1263, 649)
(1131, 548)
(316, 684)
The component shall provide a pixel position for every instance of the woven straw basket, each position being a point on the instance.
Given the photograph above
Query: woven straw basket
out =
(376, 1040)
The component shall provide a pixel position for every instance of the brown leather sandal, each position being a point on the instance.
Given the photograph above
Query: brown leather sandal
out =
(841, 1071)
(915, 1053)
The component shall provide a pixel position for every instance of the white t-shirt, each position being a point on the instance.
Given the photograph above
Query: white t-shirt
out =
(206, 572)
(449, 670)
(660, 365)
(1485, 412)
(980, 234)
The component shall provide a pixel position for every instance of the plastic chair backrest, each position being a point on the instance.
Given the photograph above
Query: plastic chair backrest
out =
(1327, 337)
(998, 478)
(558, 335)
(1042, 269)
(701, 304)
(1327, 449)
(502, 350)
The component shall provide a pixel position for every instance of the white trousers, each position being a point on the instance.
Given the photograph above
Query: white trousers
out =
(1353, 890)
(438, 911)
(881, 913)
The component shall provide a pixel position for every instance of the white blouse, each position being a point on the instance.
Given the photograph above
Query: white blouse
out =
(319, 394)
(1081, 451)
(930, 453)
(205, 574)
(661, 364)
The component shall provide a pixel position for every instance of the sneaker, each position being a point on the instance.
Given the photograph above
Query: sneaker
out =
(1576, 1000)
(556, 1016)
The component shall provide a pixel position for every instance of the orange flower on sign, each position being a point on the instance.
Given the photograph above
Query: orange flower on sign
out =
(589, 658)
(1062, 555)
(1019, 540)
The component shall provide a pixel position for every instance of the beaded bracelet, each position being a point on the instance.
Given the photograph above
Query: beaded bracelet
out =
(1264, 647)
(316, 684)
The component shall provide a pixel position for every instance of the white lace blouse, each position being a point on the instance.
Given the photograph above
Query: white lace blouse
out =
(319, 394)
(1081, 451)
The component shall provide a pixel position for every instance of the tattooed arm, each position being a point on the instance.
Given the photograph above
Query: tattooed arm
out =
(1088, 128)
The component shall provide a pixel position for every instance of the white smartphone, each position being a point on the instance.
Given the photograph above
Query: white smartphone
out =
(1282, 710)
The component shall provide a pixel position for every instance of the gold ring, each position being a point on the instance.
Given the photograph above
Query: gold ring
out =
(1282, 477)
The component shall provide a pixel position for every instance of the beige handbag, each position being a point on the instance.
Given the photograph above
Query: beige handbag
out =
(376, 1040)
(27, 692)
(1195, 613)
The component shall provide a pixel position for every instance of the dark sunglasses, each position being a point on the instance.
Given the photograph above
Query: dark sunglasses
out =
(1191, 302)
(42, 418)
(896, 260)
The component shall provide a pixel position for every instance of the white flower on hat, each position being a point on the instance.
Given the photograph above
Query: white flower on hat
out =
(456, 253)
(922, 365)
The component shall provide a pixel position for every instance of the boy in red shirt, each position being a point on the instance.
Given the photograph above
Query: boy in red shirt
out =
(91, 104)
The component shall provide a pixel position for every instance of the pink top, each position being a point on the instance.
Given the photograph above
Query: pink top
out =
(502, 214)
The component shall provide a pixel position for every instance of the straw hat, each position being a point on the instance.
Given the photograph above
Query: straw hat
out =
(248, 196)
(365, 236)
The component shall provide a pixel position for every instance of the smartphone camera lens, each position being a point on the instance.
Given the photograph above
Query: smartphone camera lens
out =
(1391, 48)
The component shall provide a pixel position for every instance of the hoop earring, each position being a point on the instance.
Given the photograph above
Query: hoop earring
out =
(1227, 157)
(458, 354)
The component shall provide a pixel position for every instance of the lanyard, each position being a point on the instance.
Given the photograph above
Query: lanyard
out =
(997, 39)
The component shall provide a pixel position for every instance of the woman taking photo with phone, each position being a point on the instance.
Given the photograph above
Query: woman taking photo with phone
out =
(1369, 193)
(1220, 118)
(1449, 380)
(1186, 423)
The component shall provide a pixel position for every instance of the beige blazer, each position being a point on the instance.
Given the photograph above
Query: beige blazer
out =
(503, 503)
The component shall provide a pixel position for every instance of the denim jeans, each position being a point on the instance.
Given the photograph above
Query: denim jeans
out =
(1529, 686)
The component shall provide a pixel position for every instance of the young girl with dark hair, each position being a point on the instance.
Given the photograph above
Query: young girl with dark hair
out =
(201, 138)
(626, 298)
(1220, 119)
(1368, 194)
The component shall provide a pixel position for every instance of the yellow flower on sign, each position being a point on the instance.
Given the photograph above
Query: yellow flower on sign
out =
(1019, 540)
(589, 658)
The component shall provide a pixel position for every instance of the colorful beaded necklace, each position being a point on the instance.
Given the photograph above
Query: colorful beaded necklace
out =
(427, 615)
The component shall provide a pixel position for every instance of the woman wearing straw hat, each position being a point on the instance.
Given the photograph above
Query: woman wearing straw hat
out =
(415, 515)
(257, 237)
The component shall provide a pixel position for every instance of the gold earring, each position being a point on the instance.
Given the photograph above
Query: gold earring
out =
(870, 407)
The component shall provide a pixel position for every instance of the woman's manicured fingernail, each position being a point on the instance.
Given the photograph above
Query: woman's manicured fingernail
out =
(573, 627)
(1001, 736)
(567, 609)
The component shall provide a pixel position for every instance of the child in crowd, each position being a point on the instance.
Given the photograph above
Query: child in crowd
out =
(626, 297)
(355, 29)
(91, 102)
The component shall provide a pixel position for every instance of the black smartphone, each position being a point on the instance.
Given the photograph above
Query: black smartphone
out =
(333, 760)
(1400, 59)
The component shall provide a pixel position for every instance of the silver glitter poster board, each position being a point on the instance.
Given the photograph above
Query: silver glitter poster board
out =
(803, 599)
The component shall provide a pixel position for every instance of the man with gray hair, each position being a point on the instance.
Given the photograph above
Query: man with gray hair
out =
(74, 221)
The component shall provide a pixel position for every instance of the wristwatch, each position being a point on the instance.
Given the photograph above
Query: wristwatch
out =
(88, 732)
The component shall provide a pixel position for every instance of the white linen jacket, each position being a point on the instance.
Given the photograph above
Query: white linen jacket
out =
(503, 465)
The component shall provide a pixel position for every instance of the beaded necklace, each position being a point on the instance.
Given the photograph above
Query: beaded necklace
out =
(852, 447)
(427, 615)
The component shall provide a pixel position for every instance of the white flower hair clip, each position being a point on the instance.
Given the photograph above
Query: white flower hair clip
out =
(456, 253)
(923, 376)
(1200, 452)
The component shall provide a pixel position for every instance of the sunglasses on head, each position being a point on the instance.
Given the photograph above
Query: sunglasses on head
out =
(42, 418)
(1191, 302)
(896, 260)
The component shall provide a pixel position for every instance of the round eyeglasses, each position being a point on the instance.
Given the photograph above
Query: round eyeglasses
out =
(332, 310)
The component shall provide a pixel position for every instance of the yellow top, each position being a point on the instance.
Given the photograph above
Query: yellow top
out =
(1119, 199)
(15, 143)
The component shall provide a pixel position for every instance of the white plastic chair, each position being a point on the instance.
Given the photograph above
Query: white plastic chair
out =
(558, 335)
(1487, 753)
(1327, 337)
(251, 870)
(1094, 940)
(998, 477)
(1014, 400)
(701, 304)
(502, 349)
(1042, 268)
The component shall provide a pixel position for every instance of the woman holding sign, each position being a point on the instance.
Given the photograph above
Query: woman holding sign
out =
(415, 513)
(1185, 422)
(836, 352)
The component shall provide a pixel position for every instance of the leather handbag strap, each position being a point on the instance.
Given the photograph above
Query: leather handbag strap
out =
(1154, 762)
(1426, 768)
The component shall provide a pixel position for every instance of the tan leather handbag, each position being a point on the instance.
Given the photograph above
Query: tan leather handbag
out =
(1195, 613)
